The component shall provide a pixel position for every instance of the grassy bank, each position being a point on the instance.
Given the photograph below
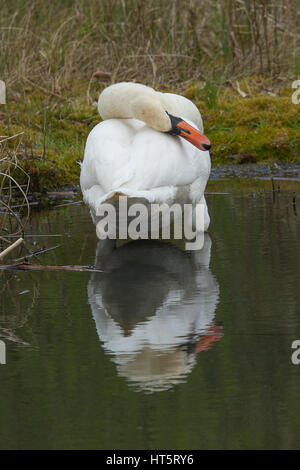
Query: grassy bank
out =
(57, 56)
(263, 126)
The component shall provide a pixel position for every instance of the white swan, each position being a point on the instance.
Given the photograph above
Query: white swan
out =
(137, 149)
(163, 313)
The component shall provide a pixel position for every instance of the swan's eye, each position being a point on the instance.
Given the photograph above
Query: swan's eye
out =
(174, 125)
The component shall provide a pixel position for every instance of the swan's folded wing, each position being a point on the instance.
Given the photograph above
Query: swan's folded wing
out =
(107, 156)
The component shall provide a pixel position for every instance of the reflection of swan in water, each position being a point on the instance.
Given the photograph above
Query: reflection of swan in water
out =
(154, 309)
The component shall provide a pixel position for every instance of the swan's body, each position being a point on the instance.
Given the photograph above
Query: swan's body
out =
(130, 153)
(163, 314)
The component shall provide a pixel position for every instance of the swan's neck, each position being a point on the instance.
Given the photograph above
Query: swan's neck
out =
(133, 100)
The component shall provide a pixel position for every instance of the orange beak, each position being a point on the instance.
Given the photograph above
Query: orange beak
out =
(214, 333)
(189, 133)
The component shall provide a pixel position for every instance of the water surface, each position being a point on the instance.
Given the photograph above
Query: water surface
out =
(165, 349)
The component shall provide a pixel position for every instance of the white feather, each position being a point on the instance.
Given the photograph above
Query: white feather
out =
(126, 155)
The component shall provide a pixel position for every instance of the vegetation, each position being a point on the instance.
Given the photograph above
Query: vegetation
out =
(161, 42)
(257, 128)
(63, 389)
(57, 56)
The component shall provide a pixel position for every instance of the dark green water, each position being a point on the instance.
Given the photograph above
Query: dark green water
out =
(166, 350)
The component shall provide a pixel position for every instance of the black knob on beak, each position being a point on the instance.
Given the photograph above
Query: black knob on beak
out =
(206, 147)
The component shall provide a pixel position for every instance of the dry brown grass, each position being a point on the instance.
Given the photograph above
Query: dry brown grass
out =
(56, 56)
(14, 204)
(161, 42)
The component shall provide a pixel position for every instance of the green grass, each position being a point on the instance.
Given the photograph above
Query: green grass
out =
(57, 56)
(261, 126)
(258, 128)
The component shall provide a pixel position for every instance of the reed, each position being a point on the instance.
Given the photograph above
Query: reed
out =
(14, 204)
(158, 42)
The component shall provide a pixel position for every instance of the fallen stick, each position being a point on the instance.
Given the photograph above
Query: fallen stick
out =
(11, 137)
(34, 203)
(37, 253)
(11, 247)
(36, 235)
(76, 203)
(40, 267)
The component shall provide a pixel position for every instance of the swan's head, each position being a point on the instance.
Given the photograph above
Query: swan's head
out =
(156, 113)
(189, 133)
(164, 112)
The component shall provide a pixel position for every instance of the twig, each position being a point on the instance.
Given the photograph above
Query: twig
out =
(44, 134)
(273, 186)
(11, 247)
(11, 137)
(47, 92)
(34, 203)
(24, 195)
(76, 203)
(36, 253)
(8, 334)
(39, 267)
(294, 204)
(34, 235)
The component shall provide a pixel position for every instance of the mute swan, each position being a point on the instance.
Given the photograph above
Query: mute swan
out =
(163, 314)
(149, 145)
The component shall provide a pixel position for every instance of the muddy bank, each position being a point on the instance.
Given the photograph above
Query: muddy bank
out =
(288, 171)
(234, 177)
(259, 129)
(248, 177)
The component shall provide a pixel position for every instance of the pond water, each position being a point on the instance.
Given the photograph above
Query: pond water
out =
(165, 349)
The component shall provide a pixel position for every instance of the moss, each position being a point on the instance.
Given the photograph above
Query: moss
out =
(258, 128)
(263, 126)
(250, 186)
(67, 121)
